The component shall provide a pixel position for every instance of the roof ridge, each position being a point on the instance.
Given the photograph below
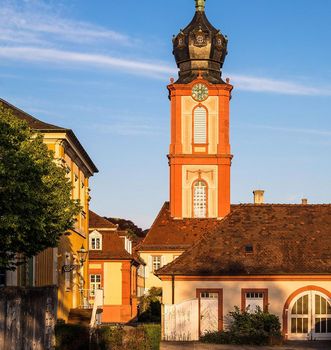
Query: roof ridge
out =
(29, 115)
(204, 236)
(155, 221)
(103, 220)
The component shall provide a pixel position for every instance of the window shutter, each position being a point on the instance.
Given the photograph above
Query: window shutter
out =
(150, 265)
(200, 126)
(163, 260)
(67, 275)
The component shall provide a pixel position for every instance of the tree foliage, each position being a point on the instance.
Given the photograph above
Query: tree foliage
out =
(249, 328)
(150, 306)
(136, 232)
(35, 196)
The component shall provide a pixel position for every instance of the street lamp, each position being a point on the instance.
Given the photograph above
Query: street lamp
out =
(82, 255)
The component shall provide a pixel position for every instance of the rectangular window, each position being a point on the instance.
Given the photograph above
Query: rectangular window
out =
(208, 295)
(156, 262)
(141, 271)
(200, 126)
(128, 245)
(96, 244)
(67, 274)
(254, 299)
(95, 283)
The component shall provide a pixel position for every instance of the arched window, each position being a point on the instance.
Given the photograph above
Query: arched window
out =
(200, 126)
(310, 313)
(200, 199)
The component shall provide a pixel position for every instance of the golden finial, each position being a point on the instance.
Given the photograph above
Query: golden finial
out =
(200, 5)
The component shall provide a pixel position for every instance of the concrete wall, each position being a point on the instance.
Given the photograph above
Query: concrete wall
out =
(27, 318)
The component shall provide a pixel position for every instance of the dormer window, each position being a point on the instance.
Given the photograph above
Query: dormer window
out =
(95, 241)
(128, 245)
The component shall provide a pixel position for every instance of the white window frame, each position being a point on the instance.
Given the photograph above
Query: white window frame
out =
(96, 243)
(128, 245)
(253, 300)
(156, 262)
(95, 284)
(94, 236)
(200, 199)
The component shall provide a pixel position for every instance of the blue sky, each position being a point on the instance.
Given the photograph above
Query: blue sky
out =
(101, 68)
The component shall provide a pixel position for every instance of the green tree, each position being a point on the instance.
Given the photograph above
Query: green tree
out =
(35, 196)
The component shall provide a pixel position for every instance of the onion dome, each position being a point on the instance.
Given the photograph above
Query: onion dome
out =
(200, 49)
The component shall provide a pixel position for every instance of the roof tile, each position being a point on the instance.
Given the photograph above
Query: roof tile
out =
(168, 233)
(286, 239)
(96, 221)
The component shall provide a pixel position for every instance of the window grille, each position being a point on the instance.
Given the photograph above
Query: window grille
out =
(156, 261)
(208, 295)
(200, 199)
(95, 283)
(96, 243)
(254, 301)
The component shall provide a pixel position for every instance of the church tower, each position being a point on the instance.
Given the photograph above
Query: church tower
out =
(200, 155)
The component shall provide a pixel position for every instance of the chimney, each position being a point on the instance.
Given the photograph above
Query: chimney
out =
(304, 201)
(258, 196)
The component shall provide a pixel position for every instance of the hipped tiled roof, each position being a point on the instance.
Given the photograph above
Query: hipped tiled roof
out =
(168, 233)
(286, 239)
(96, 221)
(112, 248)
(36, 124)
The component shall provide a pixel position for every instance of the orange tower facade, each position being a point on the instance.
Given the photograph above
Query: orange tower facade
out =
(200, 154)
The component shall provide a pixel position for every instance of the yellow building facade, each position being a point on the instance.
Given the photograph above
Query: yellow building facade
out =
(48, 267)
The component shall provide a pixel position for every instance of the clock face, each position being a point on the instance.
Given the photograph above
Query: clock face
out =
(200, 92)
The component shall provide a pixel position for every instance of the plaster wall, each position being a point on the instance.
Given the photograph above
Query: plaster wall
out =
(209, 173)
(188, 105)
(112, 275)
(278, 291)
(150, 279)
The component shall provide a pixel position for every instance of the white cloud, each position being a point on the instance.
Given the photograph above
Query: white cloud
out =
(34, 22)
(152, 69)
(104, 61)
(316, 132)
(36, 32)
(250, 83)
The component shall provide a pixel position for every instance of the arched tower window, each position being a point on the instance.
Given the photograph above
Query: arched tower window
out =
(200, 199)
(200, 125)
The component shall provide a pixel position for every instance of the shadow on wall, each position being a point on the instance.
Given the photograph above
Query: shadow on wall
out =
(27, 317)
(278, 294)
(68, 282)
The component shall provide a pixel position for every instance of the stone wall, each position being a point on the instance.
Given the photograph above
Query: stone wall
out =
(27, 318)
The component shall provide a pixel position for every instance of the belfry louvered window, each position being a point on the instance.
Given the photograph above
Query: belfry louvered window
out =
(200, 199)
(200, 126)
